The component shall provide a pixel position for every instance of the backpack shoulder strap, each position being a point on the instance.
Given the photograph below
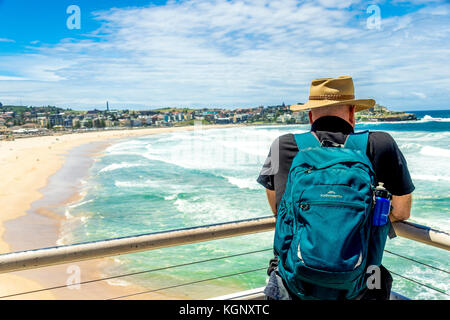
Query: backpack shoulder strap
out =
(306, 140)
(357, 141)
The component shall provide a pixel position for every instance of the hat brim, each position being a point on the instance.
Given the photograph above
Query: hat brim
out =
(360, 104)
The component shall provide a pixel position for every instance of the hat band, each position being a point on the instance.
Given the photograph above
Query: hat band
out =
(333, 97)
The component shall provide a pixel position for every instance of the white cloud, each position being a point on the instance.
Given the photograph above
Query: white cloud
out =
(9, 78)
(419, 95)
(6, 40)
(231, 53)
(442, 10)
(336, 4)
(418, 2)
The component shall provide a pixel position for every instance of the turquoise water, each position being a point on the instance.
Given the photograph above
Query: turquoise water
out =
(185, 179)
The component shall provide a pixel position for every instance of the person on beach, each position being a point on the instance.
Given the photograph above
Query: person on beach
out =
(332, 108)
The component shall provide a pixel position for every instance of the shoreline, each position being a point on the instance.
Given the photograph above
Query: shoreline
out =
(29, 166)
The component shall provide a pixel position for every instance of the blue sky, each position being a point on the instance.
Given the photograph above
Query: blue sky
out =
(236, 53)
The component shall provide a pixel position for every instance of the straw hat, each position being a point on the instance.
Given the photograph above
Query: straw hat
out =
(333, 91)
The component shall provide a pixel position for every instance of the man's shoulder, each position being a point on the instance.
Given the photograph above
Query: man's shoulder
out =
(380, 135)
(285, 141)
(284, 147)
(381, 140)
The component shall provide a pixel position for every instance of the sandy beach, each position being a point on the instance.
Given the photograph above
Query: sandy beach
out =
(27, 165)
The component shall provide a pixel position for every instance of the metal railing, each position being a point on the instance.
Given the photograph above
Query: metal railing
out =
(38, 258)
(31, 259)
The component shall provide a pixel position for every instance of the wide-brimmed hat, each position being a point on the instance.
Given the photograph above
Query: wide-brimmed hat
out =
(326, 92)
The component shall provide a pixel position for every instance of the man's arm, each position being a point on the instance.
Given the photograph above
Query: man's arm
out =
(272, 200)
(401, 207)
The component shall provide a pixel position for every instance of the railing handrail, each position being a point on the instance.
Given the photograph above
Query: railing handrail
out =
(424, 234)
(37, 258)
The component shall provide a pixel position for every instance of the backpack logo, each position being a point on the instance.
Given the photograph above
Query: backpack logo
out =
(331, 194)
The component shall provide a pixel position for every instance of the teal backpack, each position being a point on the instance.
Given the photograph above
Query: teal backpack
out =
(323, 236)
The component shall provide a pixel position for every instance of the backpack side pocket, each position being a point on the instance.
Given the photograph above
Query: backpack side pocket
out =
(377, 242)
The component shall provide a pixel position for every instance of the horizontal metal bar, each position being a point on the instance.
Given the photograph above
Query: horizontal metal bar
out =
(422, 234)
(31, 259)
(38, 258)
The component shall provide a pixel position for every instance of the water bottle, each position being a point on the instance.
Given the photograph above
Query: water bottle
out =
(382, 205)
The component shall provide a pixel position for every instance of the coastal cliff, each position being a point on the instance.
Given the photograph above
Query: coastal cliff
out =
(380, 113)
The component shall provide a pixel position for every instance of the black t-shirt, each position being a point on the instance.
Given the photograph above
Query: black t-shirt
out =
(387, 160)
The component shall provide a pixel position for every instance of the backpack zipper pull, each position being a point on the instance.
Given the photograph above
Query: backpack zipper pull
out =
(309, 170)
(304, 206)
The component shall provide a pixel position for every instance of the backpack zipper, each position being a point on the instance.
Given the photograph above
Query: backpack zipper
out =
(310, 169)
(306, 205)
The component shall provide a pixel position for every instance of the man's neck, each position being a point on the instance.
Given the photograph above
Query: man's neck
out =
(332, 124)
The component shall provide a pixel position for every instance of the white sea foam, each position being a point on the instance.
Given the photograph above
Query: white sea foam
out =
(118, 166)
(435, 152)
(78, 204)
(79, 218)
(243, 183)
(188, 160)
(129, 184)
(67, 214)
(71, 222)
(420, 136)
(208, 211)
(117, 282)
(136, 184)
(118, 261)
(60, 241)
(126, 145)
(171, 197)
(176, 137)
(430, 197)
(430, 118)
(410, 146)
(430, 177)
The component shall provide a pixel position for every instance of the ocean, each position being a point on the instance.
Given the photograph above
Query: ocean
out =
(193, 178)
